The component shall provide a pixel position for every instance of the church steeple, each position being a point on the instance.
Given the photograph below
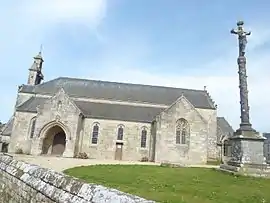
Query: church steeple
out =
(35, 72)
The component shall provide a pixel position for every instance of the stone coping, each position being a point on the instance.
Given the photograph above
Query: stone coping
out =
(59, 187)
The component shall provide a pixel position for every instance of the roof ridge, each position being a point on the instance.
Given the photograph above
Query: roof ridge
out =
(126, 83)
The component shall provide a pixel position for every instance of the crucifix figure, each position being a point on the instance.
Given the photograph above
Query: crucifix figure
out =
(242, 37)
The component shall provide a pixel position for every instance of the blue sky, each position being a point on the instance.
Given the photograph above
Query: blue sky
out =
(176, 43)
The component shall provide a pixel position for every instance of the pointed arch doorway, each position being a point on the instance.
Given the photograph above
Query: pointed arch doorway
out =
(54, 142)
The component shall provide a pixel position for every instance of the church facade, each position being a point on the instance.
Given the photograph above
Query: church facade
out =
(110, 120)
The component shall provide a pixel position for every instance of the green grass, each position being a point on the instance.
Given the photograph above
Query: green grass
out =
(177, 185)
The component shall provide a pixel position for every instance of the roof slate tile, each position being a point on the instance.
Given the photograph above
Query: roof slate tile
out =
(82, 88)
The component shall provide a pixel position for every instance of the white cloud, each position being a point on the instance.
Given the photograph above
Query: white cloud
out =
(123, 59)
(220, 76)
(31, 22)
(89, 12)
(223, 90)
(27, 24)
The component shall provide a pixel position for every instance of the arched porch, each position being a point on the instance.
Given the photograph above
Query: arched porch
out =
(54, 142)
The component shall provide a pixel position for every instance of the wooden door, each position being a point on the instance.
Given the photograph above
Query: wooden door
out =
(118, 151)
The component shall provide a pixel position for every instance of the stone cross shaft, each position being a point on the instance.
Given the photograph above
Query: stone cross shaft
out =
(242, 38)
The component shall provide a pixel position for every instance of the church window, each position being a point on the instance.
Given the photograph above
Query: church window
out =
(182, 131)
(33, 126)
(120, 133)
(95, 134)
(143, 138)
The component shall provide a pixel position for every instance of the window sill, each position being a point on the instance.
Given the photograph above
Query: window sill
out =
(119, 141)
(143, 148)
(181, 144)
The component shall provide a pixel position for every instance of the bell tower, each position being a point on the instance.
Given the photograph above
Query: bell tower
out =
(35, 71)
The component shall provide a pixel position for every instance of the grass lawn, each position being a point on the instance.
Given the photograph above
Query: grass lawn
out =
(177, 185)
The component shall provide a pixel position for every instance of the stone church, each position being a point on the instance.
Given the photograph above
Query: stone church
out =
(111, 120)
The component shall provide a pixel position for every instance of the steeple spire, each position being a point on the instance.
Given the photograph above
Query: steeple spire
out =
(35, 71)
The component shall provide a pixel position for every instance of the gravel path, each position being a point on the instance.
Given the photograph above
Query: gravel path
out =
(59, 163)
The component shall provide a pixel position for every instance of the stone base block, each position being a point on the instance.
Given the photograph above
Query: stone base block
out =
(247, 157)
(247, 170)
(247, 149)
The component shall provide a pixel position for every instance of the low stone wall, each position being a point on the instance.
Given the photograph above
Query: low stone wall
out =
(24, 183)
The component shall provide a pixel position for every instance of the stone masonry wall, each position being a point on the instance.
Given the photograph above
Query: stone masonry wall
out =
(107, 139)
(194, 151)
(24, 183)
(210, 115)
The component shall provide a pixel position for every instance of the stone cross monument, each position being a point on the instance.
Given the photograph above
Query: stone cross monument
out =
(242, 38)
(246, 144)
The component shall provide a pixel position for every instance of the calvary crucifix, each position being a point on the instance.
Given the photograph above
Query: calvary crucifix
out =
(242, 37)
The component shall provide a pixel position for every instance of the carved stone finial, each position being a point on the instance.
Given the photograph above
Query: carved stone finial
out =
(57, 118)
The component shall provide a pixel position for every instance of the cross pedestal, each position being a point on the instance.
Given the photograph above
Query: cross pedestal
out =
(247, 155)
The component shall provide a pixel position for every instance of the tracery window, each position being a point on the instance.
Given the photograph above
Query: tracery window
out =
(120, 133)
(143, 137)
(182, 131)
(95, 133)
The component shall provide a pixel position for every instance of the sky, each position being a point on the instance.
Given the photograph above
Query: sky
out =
(184, 44)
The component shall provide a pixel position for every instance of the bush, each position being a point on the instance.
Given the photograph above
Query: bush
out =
(144, 159)
(82, 155)
(19, 151)
(214, 162)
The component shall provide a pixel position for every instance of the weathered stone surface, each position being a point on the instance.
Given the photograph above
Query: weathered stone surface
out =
(23, 182)
(78, 130)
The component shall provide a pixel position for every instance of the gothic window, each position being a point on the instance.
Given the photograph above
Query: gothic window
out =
(182, 131)
(143, 138)
(95, 134)
(33, 126)
(120, 133)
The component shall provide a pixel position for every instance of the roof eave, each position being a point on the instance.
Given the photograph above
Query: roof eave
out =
(105, 118)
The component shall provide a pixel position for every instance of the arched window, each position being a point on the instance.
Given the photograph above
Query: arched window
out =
(33, 126)
(120, 133)
(182, 131)
(143, 137)
(95, 134)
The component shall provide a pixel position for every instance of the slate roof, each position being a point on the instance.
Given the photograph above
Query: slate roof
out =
(118, 112)
(120, 91)
(2, 125)
(267, 135)
(8, 127)
(31, 104)
(112, 111)
(101, 110)
(225, 127)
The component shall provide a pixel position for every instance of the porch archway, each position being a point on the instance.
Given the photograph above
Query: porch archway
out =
(54, 142)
